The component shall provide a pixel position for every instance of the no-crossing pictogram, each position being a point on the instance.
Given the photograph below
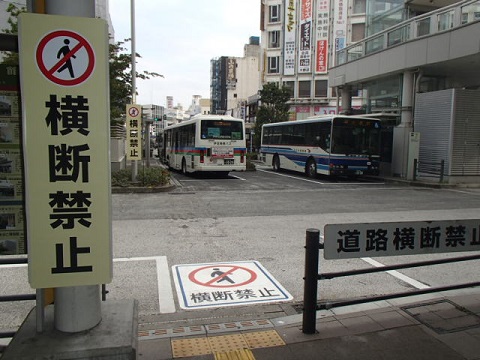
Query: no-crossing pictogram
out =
(65, 57)
(133, 112)
(221, 276)
(226, 284)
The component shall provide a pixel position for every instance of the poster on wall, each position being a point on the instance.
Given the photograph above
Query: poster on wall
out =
(12, 227)
(305, 49)
(290, 38)
(321, 58)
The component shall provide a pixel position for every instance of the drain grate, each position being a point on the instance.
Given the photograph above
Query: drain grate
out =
(238, 325)
(204, 329)
(443, 316)
(164, 333)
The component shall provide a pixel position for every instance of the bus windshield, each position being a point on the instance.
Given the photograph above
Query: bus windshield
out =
(354, 136)
(221, 130)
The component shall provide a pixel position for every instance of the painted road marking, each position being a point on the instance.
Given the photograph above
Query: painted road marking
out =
(166, 302)
(398, 275)
(319, 182)
(415, 283)
(292, 177)
(226, 284)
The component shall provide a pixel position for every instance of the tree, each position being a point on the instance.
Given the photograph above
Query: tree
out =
(119, 68)
(121, 79)
(273, 108)
(10, 57)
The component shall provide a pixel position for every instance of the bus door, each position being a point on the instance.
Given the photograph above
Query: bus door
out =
(176, 149)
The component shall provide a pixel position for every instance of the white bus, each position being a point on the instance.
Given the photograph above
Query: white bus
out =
(213, 143)
(329, 145)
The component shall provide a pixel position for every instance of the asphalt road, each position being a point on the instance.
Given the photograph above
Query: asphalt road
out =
(259, 217)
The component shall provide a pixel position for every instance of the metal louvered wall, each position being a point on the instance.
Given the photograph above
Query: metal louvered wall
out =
(433, 120)
(449, 126)
(466, 133)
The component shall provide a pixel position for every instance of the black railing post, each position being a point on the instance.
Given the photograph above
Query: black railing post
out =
(442, 169)
(415, 169)
(311, 281)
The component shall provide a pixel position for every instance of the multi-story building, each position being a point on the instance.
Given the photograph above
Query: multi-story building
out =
(234, 80)
(298, 42)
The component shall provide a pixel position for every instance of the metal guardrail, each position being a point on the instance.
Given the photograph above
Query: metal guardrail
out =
(312, 277)
(16, 297)
(38, 296)
(443, 19)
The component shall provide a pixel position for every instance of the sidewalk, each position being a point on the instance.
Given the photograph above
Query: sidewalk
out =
(434, 326)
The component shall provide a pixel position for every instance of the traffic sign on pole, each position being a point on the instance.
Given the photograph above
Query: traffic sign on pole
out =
(66, 131)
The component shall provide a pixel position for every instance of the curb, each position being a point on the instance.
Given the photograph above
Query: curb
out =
(142, 189)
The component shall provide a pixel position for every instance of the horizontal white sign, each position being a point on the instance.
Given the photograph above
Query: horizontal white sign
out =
(343, 241)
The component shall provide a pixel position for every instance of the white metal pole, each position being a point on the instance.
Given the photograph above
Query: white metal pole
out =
(77, 308)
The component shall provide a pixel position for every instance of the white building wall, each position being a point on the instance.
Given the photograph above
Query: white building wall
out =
(248, 79)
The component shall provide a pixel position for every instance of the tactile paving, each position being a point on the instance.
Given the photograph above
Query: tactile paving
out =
(227, 342)
(262, 339)
(243, 354)
(190, 347)
(226, 347)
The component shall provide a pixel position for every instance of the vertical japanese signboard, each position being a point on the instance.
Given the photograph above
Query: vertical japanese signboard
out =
(323, 12)
(231, 74)
(12, 232)
(65, 111)
(134, 132)
(290, 38)
(305, 51)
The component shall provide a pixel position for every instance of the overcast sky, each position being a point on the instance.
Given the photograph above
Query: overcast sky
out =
(178, 38)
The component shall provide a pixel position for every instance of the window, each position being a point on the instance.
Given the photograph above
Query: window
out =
(273, 65)
(222, 129)
(358, 32)
(321, 88)
(291, 86)
(304, 89)
(359, 6)
(274, 13)
(274, 39)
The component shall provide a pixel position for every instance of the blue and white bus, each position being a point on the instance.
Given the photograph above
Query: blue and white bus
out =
(329, 145)
(206, 143)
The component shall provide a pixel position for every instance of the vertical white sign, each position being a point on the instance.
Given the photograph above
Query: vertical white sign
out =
(290, 38)
(339, 26)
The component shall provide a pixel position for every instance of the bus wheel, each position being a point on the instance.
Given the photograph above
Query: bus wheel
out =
(184, 167)
(276, 163)
(311, 168)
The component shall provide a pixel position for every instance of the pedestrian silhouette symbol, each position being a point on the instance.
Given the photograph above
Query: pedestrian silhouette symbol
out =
(64, 51)
(221, 276)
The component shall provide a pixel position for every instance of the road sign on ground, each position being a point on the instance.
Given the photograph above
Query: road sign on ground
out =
(226, 284)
